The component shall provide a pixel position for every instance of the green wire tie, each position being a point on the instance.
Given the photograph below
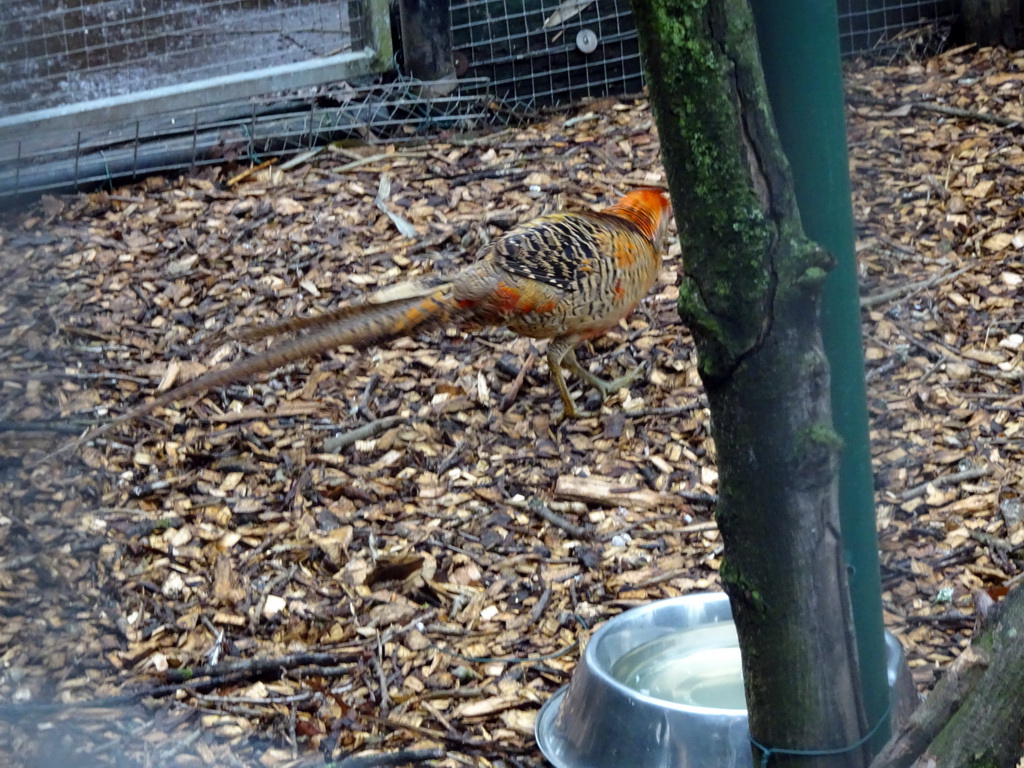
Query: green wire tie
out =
(767, 752)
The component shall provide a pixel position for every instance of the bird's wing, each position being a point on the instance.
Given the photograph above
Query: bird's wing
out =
(557, 250)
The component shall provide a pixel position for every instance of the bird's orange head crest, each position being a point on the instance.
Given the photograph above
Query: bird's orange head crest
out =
(649, 209)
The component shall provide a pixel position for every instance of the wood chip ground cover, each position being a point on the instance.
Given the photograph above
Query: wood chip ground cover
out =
(394, 551)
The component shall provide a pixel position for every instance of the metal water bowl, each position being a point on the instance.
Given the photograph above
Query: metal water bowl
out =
(688, 710)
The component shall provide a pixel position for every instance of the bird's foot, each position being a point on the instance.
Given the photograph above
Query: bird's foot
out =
(607, 387)
(572, 414)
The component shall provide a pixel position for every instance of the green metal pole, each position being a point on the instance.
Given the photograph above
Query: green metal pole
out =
(799, 41)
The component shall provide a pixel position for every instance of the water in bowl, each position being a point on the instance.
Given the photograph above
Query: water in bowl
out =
(698, 666)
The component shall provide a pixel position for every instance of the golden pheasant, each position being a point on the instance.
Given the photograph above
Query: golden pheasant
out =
(567, 277)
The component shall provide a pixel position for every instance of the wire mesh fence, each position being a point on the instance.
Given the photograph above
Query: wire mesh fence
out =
(97, 90)
(59, 52)
(543, 53)
(249, 130)
(874, 25)
(92, 90)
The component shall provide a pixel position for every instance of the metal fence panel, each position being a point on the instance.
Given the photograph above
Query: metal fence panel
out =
(83, 82)
(97, 90)
(548, 52)
(864, 25)
(544, 52)
(247, 130)
(59, 52)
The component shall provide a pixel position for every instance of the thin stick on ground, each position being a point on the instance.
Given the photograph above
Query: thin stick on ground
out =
(957, 477)
(542, 510)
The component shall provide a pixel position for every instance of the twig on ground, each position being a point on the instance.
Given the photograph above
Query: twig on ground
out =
(452, 458)
(250, 171)
(696, 497)
(542, 510)
(390, 759)
(909, 289)
(573, 507)
(680, 410)
(899, 110)
(367, 397)
(385, 700)
(954, 618)
(254, 667)
(186, 680)
(208, 698)
(968, 114)
(609, 493)
(339, 442)
(542, 604)
(968, 474)
(640, 533)
(517, 383)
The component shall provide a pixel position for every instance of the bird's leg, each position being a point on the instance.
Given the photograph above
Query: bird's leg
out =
(561, 351)
(557, 351)
(604, 386)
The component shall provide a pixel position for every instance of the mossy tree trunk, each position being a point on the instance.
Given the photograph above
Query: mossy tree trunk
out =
(975, 715)
(750, 295)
